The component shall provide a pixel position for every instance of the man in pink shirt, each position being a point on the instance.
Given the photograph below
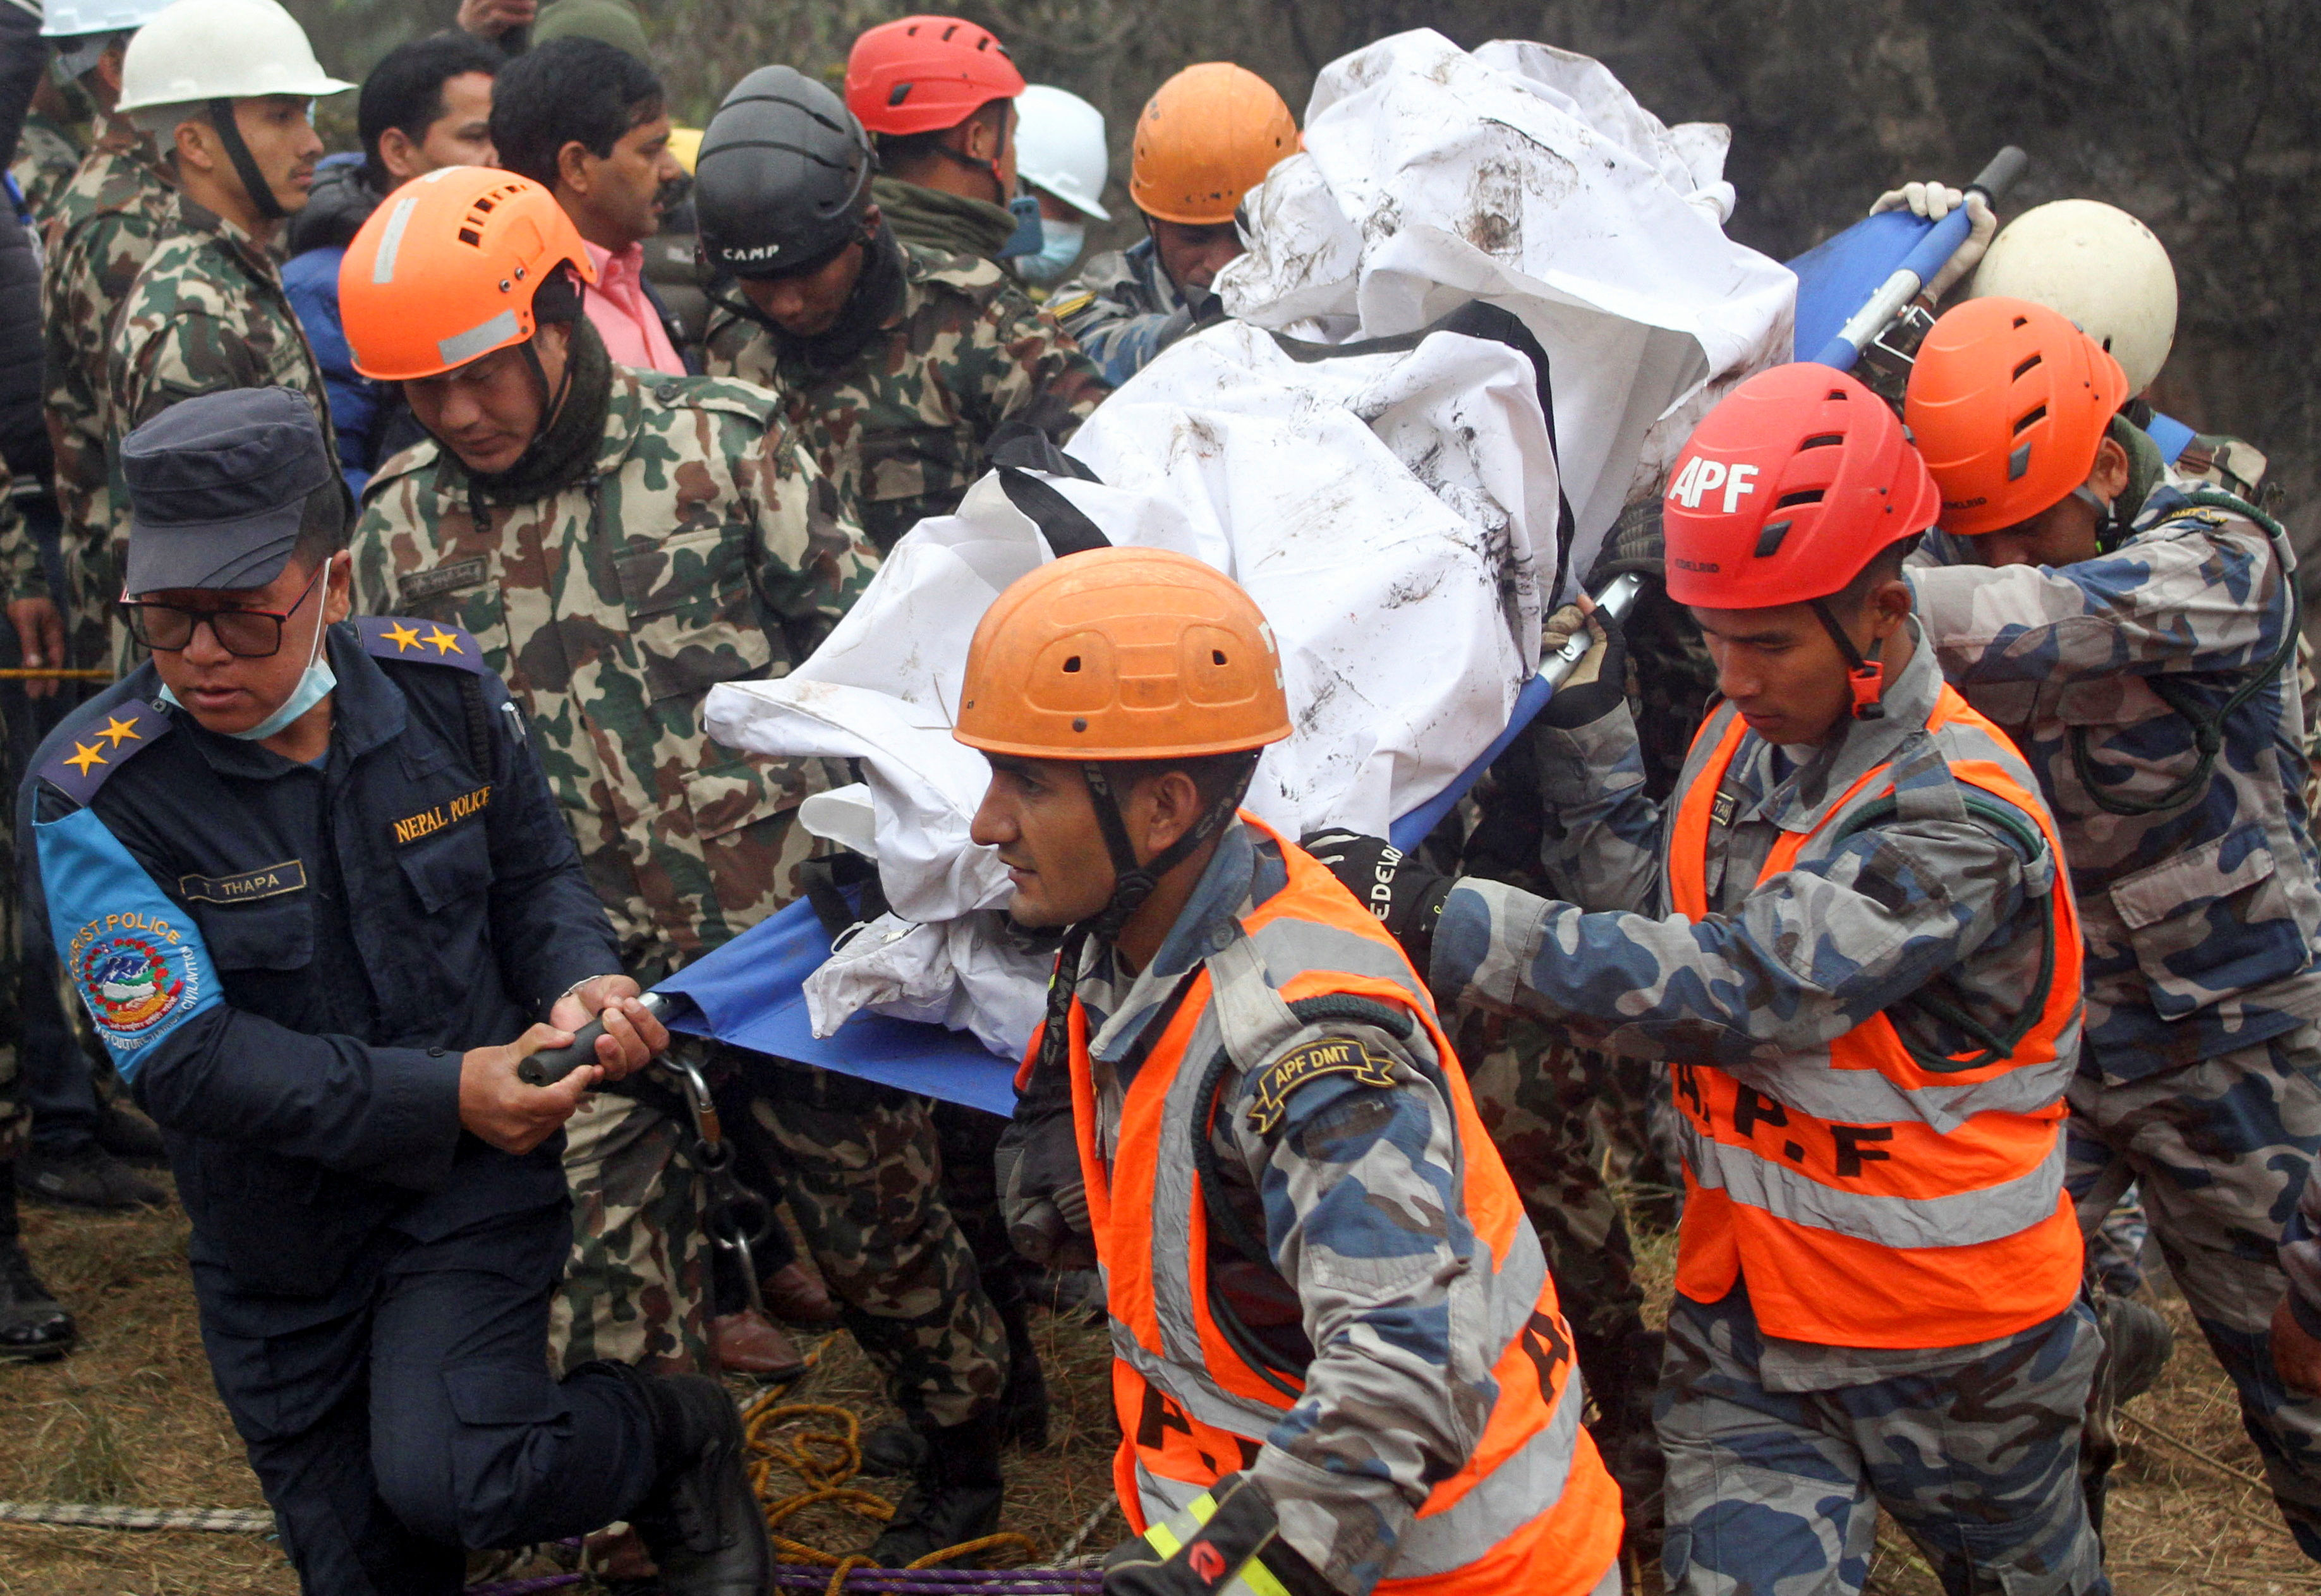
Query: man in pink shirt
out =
(589, 123)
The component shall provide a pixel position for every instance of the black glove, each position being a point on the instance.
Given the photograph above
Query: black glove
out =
(1242, 1534)
(1598, 683)
(1396, 886)
(1042, 1195)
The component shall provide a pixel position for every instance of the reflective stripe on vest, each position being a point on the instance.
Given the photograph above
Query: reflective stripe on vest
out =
(1856, 1225)
(1533, 1507)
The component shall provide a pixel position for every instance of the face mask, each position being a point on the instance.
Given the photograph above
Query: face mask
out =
(1061, 249)
(1025, 239)
(315, 685)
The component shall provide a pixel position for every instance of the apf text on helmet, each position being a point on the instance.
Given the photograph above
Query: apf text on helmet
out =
(1702, 476)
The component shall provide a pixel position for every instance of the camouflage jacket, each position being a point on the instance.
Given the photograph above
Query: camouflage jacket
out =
(1777, 971)
(900, 428)
(1122, 309)
(206, 312)
(1354, 1189)
(47, 155)
(104, 224)
(942, 223)
(2202, 919)
(703, 549)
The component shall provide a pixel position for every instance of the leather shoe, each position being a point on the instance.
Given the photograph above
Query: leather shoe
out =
(88, 1176)
(701, 1521)
(34, 1328)
(745, 1344)
(797, 1297)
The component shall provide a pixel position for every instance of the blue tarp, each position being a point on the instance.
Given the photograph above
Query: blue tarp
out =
(1837, 277)
(748, 993)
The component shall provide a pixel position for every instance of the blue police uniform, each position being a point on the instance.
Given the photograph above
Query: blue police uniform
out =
(286, 962)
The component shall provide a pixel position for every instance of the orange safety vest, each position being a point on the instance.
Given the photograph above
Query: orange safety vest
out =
(1865, 1227)
(1533, 1510)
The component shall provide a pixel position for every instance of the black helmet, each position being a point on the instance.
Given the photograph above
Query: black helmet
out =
(783, 177)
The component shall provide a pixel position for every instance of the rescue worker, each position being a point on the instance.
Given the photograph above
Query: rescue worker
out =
(1062, 163)
(224, 87)
(2136, 639)
(54, 135)
(896, 364)
(102, 225)
(940, 92)
(426, 105)
(1338, 1360)
(311, 886)
(1204, 139)
(619, 542)
(1852, 940)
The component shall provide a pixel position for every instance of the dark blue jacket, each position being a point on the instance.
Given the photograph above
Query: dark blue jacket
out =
(288, 960)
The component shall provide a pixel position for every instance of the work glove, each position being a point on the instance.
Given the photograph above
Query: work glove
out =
(1404, 893)
(1230, 1553)
(1598, 683)
(1934, 201)
(1042, 1195)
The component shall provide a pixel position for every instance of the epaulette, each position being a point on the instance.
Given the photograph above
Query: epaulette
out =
(729, 393)
(131, 727)
(1071, 304)
(399, 637)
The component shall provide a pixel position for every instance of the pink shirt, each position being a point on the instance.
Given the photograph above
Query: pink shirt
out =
(625, 318)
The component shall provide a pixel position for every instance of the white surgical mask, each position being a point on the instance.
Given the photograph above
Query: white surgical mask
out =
(1060, 247)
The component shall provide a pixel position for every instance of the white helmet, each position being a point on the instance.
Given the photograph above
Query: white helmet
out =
(1060, 147)
(69, 19)
(221, 49)
(2097, 265)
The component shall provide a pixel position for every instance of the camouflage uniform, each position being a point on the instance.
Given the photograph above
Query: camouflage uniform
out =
(2202, 919)
(105, 223)
(1123, 310)
(1759, 988)
(900, 427)
(942, 222)
(47, 155)
(1355, 1186)
(701, 547)
(205, 312)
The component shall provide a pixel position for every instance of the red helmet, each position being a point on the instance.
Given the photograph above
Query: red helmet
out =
(924, 74)
(1787, 488)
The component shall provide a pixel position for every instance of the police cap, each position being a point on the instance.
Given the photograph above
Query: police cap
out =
(217, 485)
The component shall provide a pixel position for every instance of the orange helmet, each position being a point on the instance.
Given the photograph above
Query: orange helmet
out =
(924, 74)
(446, 269)
(1123, 654)
(1205, 138)
(2008, 402)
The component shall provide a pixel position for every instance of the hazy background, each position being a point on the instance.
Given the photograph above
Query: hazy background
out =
(2202, 118)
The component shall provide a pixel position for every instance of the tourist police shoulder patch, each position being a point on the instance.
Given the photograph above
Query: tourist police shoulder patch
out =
(110, 738)
(1308, 1062)
(399, 637)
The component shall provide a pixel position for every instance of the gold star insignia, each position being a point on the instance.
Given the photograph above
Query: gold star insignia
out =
(85, 755)
(402, 636)
(120, 731)
(445, 643)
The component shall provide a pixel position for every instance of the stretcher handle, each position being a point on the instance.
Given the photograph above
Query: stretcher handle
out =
(551, 1064)
(1919, 267)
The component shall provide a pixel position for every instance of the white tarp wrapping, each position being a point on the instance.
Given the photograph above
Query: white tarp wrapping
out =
(1527, 177)
(1383, 508)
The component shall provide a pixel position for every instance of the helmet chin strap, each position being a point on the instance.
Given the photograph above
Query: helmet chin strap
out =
(245, 165)
(1132, 884)
(1866, 675)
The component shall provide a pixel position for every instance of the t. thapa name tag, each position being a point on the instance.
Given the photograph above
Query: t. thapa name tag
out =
(268, 881)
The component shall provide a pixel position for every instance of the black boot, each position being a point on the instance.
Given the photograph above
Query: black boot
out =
(1022, 1415)
(954, 1499)
(701, 1520)
(34, 1328)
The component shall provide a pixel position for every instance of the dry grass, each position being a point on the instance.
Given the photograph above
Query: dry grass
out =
(131, 1418)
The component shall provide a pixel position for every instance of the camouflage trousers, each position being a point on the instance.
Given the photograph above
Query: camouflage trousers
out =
(2220, 1151)
(636, 1287)
(1775, 1493)
(863, 1173)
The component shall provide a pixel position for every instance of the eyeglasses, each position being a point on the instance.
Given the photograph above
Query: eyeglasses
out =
(245, 634)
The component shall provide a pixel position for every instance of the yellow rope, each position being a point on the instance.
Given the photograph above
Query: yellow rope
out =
(825, 1459)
